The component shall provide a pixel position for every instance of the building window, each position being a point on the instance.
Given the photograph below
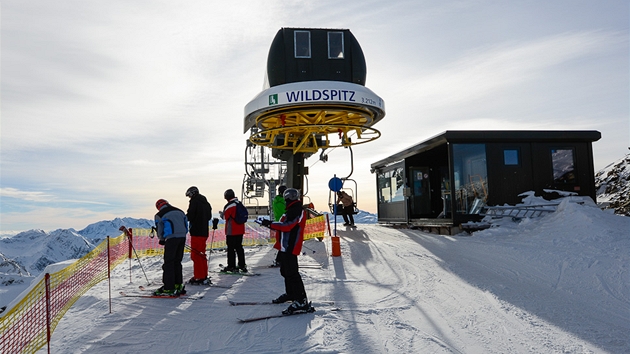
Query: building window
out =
(302, 42)
(391, 186)
(470, 177)
(563, 165)
(511, 157)
(335, 45)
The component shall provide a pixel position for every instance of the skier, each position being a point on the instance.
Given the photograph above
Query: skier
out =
(199, 214)
(234, 234)
(289, 238)
(279, 207)
(172, 227)
(348, 208)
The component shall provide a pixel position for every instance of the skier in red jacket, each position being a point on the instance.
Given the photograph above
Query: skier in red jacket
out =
(289, 238)
(233, 235)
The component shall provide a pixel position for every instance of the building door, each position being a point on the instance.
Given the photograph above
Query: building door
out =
(420, 192)
(510, 171)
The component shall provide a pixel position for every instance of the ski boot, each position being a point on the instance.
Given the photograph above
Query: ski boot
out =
(282, 298)
(299, 306)
(195, 281)
(180, 289)
(163, 292)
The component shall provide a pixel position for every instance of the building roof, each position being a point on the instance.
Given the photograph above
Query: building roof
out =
(490, 136)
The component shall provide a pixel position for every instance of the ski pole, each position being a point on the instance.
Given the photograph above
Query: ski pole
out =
(128, 234)
(192, 250)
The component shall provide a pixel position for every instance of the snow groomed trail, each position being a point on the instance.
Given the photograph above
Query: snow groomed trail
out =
(399, 290)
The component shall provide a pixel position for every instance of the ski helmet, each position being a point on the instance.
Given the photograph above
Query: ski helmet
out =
(160, 203)
(192, 191)
(291, 194)
(229, 194)
(281, 190)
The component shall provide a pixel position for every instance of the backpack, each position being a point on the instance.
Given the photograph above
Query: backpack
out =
(241, 215)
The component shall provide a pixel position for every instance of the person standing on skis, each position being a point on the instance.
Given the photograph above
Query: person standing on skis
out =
(199, 214)
(289, 238)
(234, 232)
(172, 227)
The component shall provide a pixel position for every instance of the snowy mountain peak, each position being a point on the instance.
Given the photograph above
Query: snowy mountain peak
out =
(613, 186)
(100, 230)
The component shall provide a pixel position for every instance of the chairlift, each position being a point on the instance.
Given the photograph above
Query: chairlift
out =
(332, 197)
(351, 189)
(261, 175)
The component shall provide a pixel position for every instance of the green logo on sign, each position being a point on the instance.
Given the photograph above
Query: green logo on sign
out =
(273, 99)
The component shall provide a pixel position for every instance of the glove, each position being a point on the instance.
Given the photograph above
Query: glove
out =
(162, 242)
(265, 223)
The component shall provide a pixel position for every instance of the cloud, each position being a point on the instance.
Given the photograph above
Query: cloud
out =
(33, 196)
(488, 70)
(42, 197)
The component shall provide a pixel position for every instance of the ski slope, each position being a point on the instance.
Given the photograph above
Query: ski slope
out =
(557, 284)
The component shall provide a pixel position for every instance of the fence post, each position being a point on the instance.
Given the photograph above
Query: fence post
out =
(126, 231)
(328, 223)
(109, 278)
(47, 286)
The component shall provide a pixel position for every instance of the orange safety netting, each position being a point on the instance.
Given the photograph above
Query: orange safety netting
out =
(27, 326)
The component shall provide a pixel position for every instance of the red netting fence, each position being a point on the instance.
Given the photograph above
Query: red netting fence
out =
(27, 325)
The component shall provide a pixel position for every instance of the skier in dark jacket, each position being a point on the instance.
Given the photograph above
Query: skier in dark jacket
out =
(347, 208)
(199, 214)
(172, 227)
(289, 238)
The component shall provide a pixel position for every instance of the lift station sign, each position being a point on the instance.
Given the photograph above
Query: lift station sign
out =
(321, 92)
(313, 93)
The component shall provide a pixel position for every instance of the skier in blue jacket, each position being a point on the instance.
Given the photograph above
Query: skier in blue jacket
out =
(172, 227)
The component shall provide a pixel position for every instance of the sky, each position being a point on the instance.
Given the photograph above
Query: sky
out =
(107, 106)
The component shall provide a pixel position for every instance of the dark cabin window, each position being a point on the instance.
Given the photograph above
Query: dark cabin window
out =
(335, 45)
(302, 42)
(563, 165)
(391, 186)
(470, 174)
(510, 157)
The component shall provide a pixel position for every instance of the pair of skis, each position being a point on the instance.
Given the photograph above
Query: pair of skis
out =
(149, 293)
(266, 317)
(246, 303)
(308, 265)
(311, 310)
(221, 271)
(153, 296)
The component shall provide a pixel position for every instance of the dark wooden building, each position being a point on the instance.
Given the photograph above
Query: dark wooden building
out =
(449, 178)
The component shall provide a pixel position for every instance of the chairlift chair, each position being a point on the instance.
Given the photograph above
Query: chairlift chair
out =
(332, 196)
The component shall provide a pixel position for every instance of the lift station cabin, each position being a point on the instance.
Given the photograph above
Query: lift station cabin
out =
(449, 179)
(314, 98)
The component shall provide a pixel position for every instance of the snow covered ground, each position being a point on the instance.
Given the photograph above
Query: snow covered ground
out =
(556, 284)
